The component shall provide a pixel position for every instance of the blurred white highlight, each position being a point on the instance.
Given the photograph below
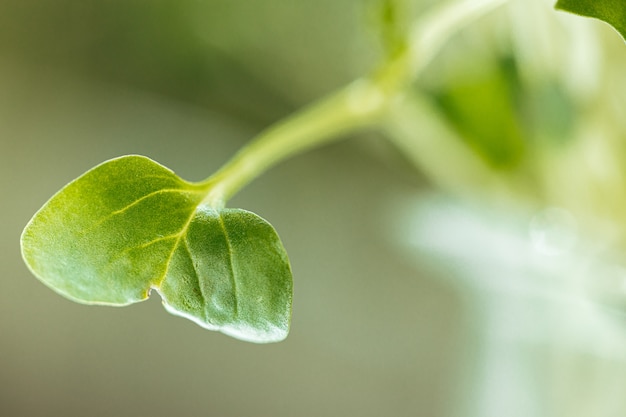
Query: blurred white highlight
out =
(534, 308)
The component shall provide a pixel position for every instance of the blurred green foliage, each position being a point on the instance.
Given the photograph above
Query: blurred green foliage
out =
(484, 112)
(218, 54)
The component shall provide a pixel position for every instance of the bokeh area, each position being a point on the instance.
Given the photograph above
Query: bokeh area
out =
(464, 260)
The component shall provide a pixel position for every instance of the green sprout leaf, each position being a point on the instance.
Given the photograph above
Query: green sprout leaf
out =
(612, 12)
(131, 225)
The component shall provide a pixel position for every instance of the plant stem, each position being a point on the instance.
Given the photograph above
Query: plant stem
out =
(359, 104)
(434, 29)
(362, 103)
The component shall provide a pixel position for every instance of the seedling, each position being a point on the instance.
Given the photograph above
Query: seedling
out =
(131, 225)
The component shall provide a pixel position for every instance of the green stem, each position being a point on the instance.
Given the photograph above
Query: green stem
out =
(362, 103)
(434, 29)
(359, 104)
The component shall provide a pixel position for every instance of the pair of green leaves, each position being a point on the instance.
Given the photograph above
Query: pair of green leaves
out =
(612, 12)
(131, 225)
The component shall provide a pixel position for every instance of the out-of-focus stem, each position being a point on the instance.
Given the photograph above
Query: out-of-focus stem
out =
(362, 103)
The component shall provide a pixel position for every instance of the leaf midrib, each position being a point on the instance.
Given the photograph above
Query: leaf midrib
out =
(233, 280)
(183, 232)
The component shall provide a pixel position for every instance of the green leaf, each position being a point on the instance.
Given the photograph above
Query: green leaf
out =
(230, 273)
(612, 12)
(131, 225)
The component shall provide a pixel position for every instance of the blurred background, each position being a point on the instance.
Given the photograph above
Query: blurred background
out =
(464, 260)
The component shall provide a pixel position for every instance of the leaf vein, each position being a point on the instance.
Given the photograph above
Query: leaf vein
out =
(183, 231)
(195, 270)
(150, 195)
(127, 207)
(138, 247)
(232, 275)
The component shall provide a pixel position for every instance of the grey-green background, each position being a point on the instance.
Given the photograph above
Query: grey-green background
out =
(187, 83)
